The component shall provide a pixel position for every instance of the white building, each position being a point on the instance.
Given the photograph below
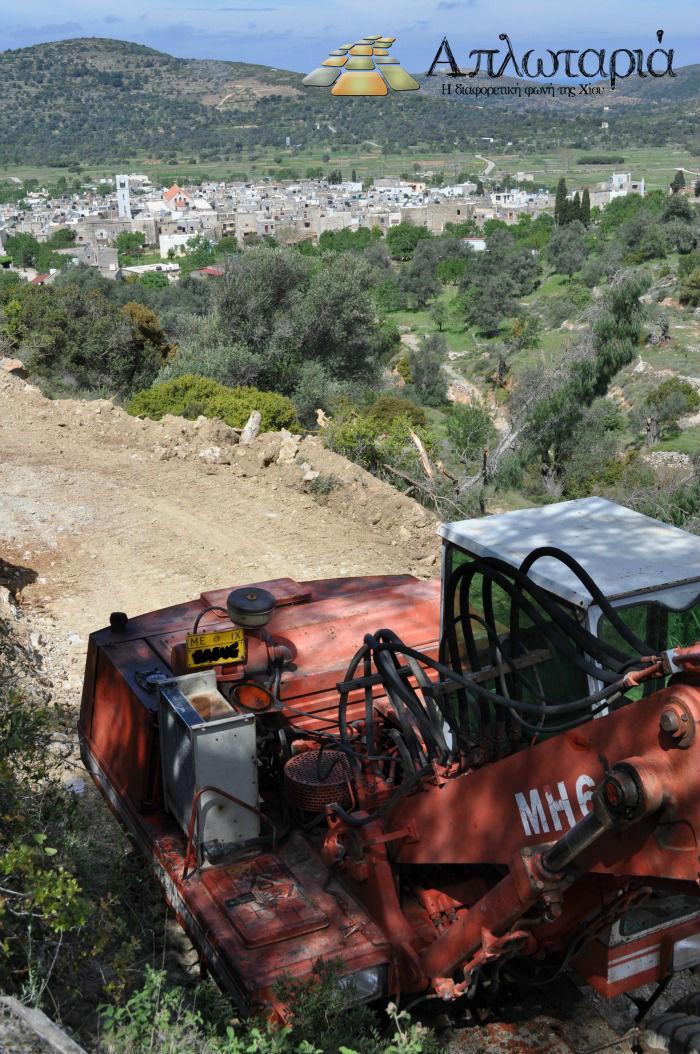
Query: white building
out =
(123, 196)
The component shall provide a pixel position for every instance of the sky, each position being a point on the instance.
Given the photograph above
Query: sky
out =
(298, 36)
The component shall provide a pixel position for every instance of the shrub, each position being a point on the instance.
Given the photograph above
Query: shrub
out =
(669, 401)
(189, 395)
(73, 909)
(403, 368)
(690, 288)
(162, 1020)
(323, 485)
(387, 408)
(469, 428)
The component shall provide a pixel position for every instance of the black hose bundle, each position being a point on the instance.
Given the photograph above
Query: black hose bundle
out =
(453, 716)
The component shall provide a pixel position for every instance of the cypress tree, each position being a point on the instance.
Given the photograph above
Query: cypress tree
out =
(586, 208)
(354, 176)
(575, 213)
(560, 210)
(678, 181)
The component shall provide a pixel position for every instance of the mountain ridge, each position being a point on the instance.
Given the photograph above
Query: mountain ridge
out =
(96, 99)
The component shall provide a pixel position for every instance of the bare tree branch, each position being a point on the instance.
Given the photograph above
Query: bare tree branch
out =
(427, 467)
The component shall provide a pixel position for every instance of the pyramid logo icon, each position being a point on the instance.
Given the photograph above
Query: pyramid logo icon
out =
(362, 68)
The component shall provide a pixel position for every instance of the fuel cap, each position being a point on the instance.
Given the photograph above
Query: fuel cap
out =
(250, 607)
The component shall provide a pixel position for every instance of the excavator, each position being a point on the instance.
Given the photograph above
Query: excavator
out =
(439, 785)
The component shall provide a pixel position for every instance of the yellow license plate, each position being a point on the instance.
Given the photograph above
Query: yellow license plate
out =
(215, 649)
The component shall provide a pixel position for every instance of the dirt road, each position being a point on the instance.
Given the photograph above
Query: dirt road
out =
(101, 512)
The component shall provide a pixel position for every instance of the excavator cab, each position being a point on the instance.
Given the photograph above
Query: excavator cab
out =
(648, 572)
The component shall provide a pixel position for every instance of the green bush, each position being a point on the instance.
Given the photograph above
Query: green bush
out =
(162, 1020)
(470, 429)
(387, 408)
(323, 485)
(674, 388)
(73, 911)
(690, 288)
(403, 368)
(190, 396)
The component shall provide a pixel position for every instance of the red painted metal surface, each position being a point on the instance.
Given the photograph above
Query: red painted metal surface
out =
(464, 821)
(449, 880)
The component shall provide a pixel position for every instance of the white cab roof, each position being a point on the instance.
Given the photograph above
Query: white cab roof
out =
(624, 552)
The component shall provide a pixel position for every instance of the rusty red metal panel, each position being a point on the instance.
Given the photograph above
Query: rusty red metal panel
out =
(324, 634)
(534, 796)
(123, 720)
(265, 901)
(613, 971)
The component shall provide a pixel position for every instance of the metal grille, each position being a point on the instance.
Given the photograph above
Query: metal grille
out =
(316, 778)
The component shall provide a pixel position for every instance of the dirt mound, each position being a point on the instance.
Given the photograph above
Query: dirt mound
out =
(103, 511)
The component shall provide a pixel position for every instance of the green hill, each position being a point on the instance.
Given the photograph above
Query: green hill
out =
(97, 101)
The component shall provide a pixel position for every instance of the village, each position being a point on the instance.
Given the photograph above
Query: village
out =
(291, 212)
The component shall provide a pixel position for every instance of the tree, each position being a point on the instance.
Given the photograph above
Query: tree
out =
(451, 272)
(334, 321)
(469, 429)
(154, 280)
(524, 331)
(387, 408)
(353, 176)
(574, 212)
(418, 280)
(678, 181)
(553, 403)
(486, 303)
(682, 236)
(479, 188)
(63, 238)
(567, 250)
(129, 241)
(402, 240)
(9, 284)
(23, 249)
(493, 281)
(560, 202)
(78, 339)
(670, 400)
(427, 374)
(199, 254)
(677, 207)
(585, 208)
(148, 328)
(690, 289)
(439, 314)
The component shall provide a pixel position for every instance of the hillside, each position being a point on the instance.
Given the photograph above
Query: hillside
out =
(144, 104)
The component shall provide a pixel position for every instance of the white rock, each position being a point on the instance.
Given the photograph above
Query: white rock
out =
(289, 448)
(215, 455)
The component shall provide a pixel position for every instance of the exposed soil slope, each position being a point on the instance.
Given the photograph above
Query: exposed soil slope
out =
(101, 511)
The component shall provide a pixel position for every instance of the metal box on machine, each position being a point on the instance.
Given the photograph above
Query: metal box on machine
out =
(207, 748)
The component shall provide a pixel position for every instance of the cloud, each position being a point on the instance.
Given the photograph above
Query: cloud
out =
(226, 10)
(111, 20)
(454, 5)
